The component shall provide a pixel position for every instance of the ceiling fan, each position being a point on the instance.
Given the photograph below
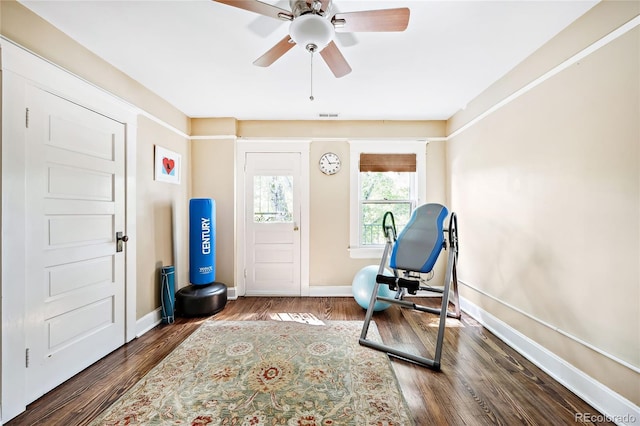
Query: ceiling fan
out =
(313, 28)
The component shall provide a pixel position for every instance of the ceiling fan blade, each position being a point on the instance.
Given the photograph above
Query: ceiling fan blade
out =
(259, 7)
(263, 26)
(325, 5)
(337, 63)
(275, 52)
(372, 20)
(345, 39)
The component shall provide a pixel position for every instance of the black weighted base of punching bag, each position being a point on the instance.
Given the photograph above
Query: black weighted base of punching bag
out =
(201, 300)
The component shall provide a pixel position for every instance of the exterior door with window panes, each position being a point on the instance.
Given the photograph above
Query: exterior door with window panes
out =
(272, 219)
(387, 183)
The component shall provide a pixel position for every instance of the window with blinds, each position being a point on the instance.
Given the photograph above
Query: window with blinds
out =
(387, 183)
(387, 162)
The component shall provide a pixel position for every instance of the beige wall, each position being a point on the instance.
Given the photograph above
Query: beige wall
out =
(162, 215)
(160, 206)
(329, 261)
(344, 129)
(547, 190)
(213, 126)
(213, 168)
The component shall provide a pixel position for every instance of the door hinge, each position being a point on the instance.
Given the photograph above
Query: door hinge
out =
(26, 358)
(26, 118)
(245, 274)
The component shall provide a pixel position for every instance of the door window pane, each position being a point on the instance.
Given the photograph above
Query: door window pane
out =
(273, 199)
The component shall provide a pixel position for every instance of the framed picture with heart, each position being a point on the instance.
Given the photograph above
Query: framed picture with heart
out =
(167, 165)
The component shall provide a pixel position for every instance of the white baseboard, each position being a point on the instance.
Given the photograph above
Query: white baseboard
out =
(148, 321)
(614, 407)
(232, 293)
(154, 318)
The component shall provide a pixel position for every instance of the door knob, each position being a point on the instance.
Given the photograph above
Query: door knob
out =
(120, 240)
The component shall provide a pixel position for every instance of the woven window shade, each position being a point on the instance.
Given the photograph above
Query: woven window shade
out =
(387, 162)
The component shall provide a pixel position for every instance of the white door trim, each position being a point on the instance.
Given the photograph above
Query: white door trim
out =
(243, 146)
(21, 68)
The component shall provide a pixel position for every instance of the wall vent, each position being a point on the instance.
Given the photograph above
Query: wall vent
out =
(328, 115)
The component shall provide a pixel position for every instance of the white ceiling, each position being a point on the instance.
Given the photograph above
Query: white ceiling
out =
(198, 54)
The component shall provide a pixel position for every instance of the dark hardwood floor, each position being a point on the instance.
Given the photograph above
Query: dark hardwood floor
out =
(482, 381)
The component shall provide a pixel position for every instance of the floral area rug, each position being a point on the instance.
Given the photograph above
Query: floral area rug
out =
(267, 373)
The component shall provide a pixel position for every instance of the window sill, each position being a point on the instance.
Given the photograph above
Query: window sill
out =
(366, 253)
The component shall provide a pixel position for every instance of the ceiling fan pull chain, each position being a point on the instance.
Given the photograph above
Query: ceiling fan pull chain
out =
(311, 97)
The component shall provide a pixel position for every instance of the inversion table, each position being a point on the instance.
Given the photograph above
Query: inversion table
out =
(414, 252)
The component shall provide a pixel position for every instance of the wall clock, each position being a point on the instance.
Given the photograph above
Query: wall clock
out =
(330, 163)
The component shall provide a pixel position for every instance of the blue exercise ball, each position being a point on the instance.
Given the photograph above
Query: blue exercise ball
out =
(362, 287)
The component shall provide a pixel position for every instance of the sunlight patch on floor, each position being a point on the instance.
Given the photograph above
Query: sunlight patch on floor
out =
(304, 318)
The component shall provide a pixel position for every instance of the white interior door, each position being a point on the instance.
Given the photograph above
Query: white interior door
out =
(272, 223)
(75, 273)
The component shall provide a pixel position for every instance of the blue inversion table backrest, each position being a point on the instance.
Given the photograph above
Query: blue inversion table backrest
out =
(418, 246)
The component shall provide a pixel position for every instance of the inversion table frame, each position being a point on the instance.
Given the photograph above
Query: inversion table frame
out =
(425, 231)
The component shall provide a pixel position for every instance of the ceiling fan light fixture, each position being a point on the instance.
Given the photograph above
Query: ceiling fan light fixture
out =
(311, 29)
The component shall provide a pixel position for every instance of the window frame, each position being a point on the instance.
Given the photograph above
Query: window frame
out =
(391, 146)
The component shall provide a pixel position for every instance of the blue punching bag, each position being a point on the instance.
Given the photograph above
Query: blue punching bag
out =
(202, 241)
